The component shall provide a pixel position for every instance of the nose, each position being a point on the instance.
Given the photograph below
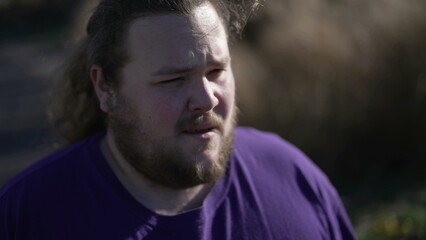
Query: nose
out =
(202, 96)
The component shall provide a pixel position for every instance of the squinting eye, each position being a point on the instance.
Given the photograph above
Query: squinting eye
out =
(172, 81)
(215, 72)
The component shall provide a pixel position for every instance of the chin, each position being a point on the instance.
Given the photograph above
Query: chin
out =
(204, 157)
(208, 158)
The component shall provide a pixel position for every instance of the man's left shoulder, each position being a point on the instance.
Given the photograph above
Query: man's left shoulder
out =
(269, 147)
(260, 140)
(272, 156)
(279, 167)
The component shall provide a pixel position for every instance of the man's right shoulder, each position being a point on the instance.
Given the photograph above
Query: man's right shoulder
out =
(57, 165)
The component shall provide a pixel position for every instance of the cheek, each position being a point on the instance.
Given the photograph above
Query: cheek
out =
(228, 94)
(156, 108)
(231, 90)
(164, 110)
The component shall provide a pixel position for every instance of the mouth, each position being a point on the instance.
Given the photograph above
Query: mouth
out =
(198, 131)
(203, 127)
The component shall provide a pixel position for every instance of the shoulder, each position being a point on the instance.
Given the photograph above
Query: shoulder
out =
(272, 148)
(273, 157)
(49, 186)
(274, 167)
(266, 143)
(58, 165)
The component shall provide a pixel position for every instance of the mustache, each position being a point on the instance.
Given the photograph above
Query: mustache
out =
(200, 120)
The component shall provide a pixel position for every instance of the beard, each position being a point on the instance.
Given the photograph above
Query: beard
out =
(160, 161)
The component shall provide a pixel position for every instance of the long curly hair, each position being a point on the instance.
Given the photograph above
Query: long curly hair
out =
(74, 111)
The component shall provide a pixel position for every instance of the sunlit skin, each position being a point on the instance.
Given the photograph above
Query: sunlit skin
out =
(179, 69)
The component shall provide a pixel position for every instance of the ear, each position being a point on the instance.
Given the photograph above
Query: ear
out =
(102, 90)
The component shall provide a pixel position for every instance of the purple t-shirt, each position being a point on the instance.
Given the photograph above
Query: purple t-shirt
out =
(270, 191)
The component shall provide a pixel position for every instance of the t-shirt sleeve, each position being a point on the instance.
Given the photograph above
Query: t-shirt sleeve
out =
(338, 222)
(341, 225)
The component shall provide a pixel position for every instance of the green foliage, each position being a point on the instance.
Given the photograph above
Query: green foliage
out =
(401, 220)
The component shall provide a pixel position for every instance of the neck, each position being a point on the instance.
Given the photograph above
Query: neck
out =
(160, 199)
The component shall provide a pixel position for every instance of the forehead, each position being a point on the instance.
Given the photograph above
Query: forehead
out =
(177, 39)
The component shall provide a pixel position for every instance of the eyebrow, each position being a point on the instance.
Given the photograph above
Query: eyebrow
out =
(168, 70)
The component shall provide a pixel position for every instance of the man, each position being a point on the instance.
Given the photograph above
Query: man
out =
(169, 162)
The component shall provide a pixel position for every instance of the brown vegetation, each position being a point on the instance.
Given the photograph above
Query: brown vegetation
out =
(333, 75)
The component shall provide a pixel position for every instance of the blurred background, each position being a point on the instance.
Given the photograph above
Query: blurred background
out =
(343, 80)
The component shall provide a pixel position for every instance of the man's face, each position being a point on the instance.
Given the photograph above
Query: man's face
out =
(174, 114)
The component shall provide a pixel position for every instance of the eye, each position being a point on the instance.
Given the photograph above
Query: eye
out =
(216, 72)
(173, 81)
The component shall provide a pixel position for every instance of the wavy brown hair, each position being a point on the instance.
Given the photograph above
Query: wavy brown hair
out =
(74, 111)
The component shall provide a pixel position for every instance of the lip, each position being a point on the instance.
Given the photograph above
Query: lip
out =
(201, 132)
